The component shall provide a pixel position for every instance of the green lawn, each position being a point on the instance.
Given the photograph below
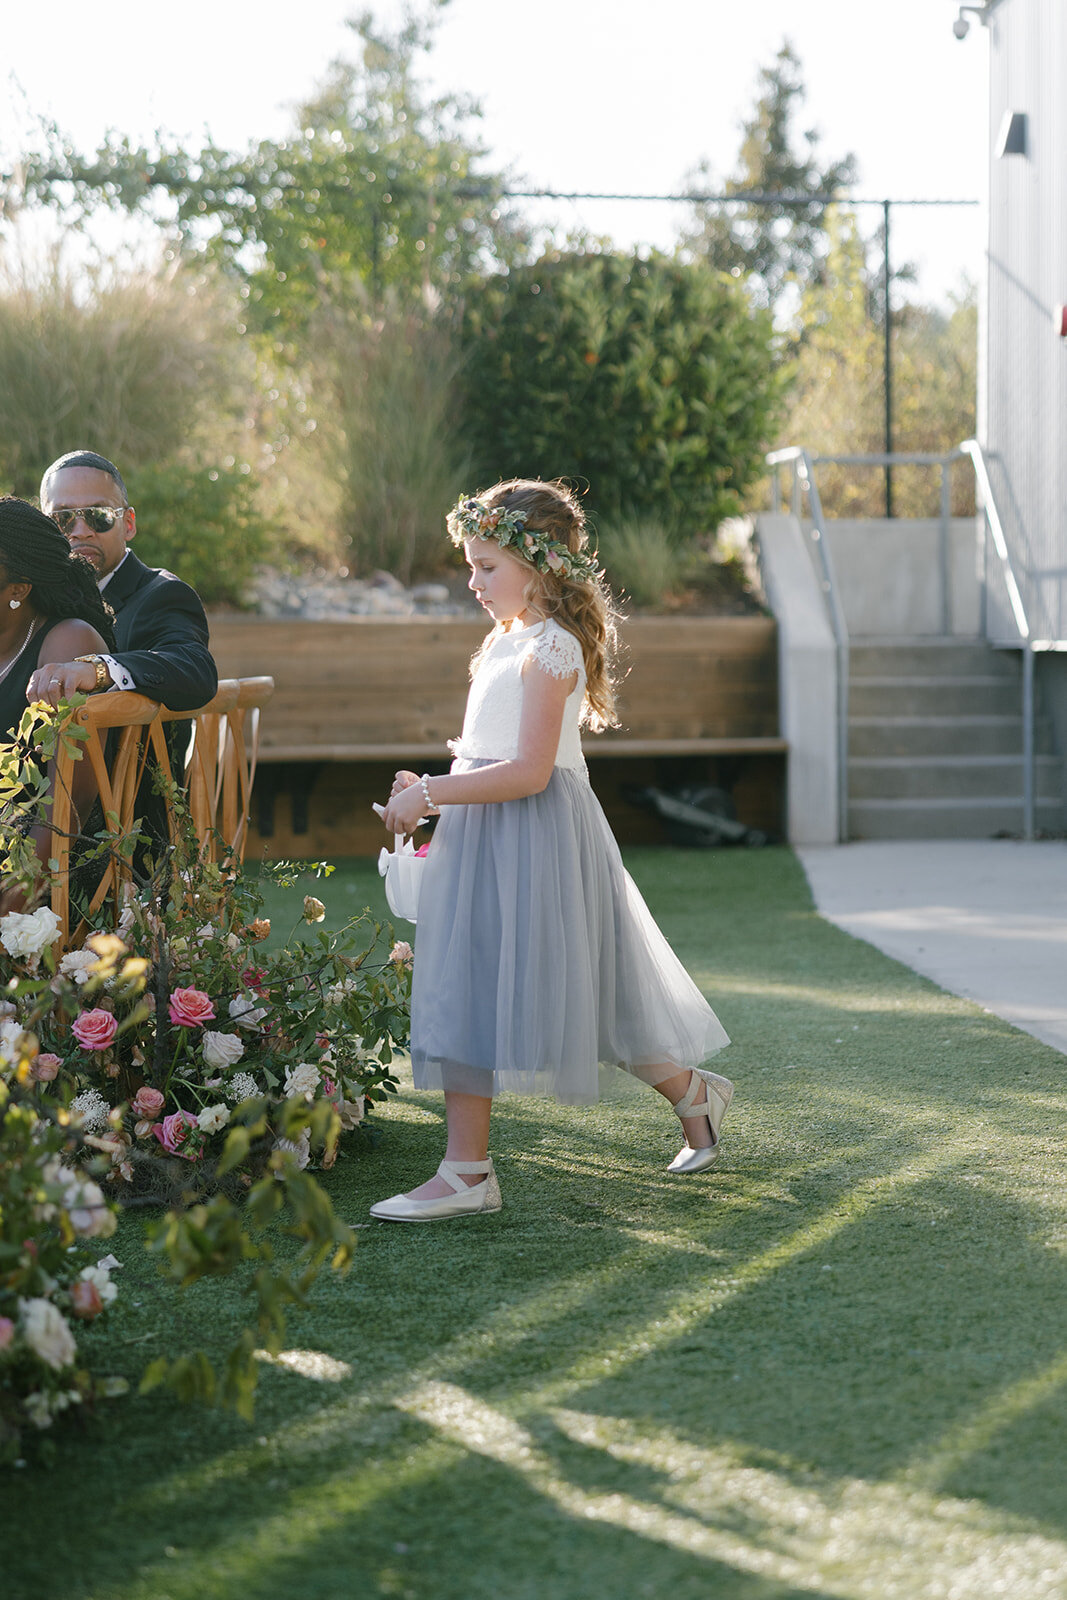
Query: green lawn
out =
(834, 1366)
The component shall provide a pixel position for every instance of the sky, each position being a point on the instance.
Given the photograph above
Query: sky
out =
(617, 96)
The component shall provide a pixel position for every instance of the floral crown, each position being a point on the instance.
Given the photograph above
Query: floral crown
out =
(473, 519)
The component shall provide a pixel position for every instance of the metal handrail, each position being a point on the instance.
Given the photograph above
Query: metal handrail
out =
(987, 499)
(804, 479)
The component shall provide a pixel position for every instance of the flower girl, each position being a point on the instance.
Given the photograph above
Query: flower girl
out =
(536, 957)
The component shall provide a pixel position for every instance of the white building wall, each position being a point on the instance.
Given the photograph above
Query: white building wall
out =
(1025, 402)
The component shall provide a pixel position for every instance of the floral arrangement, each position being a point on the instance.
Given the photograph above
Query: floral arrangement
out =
(473, 519)
(176, 1054)
(153, 1034)
(53, 1278)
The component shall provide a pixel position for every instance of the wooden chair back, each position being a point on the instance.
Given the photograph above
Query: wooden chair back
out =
(132, 715)
(221, 763)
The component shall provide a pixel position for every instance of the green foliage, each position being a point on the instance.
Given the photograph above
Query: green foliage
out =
(653, 379)
(142, 367)
(837, 402)
(384, 386)
(643, 559)
(216, 1238)
(203, 523)
(771, 245)
(379, 185)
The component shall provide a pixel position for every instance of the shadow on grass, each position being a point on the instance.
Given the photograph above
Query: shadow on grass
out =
(746, 1385)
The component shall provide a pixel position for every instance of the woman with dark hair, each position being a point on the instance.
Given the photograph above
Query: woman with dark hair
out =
(50, 606)
(50, 610)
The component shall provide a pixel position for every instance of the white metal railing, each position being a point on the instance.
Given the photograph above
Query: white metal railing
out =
(987, 500)
(804, 482)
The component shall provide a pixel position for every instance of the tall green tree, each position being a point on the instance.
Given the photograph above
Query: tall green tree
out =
(771, 245)
(379, 186)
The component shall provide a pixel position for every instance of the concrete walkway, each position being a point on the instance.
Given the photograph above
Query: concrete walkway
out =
(984, 918)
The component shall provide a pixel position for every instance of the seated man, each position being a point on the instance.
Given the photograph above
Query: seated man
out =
(161, 632)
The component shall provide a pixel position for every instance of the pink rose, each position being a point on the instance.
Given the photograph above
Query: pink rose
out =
(94, 1030)
(172, 1133)
(190, 1008)
(7, 1332)
(146, 1102)
(85, 1298)
(44, 1069)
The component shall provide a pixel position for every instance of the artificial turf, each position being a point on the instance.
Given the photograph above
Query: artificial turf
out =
(833, 1366)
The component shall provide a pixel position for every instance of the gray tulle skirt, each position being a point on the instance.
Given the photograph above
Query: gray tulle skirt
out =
(536, 958)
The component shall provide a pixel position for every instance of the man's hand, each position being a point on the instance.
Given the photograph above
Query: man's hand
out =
(60, 679)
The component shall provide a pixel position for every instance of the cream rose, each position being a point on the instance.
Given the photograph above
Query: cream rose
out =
(212, 1118)
(46, 1332)
(26, 933)
(222, 1050)
(302, 1079)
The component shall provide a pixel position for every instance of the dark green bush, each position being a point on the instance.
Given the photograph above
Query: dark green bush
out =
(654, 379)
(202, 524)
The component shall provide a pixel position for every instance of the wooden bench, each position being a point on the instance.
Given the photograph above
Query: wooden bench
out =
(356, 699)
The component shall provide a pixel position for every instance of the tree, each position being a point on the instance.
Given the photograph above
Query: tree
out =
(773, 244)
(378, 187)
(654, 379)
(836, 404)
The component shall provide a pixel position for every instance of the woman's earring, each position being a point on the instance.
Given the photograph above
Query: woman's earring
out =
(14, 604)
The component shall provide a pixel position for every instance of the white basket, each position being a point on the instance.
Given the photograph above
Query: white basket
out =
(402, 870)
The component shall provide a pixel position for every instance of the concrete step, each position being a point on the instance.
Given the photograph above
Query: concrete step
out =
(949, 777)
(873, 657)
(918, 696)
(950, 736)
(945, 819)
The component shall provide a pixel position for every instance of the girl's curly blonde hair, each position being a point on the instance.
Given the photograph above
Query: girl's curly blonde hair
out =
(582, 605)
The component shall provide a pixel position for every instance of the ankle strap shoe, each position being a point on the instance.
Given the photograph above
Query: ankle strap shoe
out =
(708, 1095)
(464, 1201)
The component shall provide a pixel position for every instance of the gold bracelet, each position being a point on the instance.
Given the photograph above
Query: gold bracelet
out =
(103, 676)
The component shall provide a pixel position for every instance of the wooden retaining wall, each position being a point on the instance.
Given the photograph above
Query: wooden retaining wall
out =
(355, 699)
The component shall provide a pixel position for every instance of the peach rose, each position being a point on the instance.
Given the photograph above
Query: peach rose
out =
(45, 1068)
(147, 1102)
(85, 1298)
(94, 1030)
(190, 1008)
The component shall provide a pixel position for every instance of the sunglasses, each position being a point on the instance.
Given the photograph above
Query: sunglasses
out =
(98, 519)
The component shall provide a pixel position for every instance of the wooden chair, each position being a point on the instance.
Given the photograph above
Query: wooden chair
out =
(221, 763)
(132, 716)
(219, 770)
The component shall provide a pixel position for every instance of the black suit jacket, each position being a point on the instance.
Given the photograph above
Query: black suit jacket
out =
(161, 635)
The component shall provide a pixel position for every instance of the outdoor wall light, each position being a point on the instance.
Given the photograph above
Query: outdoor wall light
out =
(961, 27)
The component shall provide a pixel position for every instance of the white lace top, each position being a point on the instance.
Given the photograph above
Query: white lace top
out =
(494, 705)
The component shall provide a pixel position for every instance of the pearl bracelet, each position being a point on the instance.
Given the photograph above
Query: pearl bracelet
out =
(425, 781)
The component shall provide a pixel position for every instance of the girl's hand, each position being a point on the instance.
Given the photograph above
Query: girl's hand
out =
(405, 810)
(402, 781)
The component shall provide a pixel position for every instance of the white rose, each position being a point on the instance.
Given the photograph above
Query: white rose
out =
(90, 1215)
(26, 933)
(38, 1409)
(78, 965)
(10, 1034)
(212, 1118)
(300, 1150)
(100, 1278)
(302, 1079)
(46, 1332)
(221, 1050)
(351, 1112)
(244, 1011)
